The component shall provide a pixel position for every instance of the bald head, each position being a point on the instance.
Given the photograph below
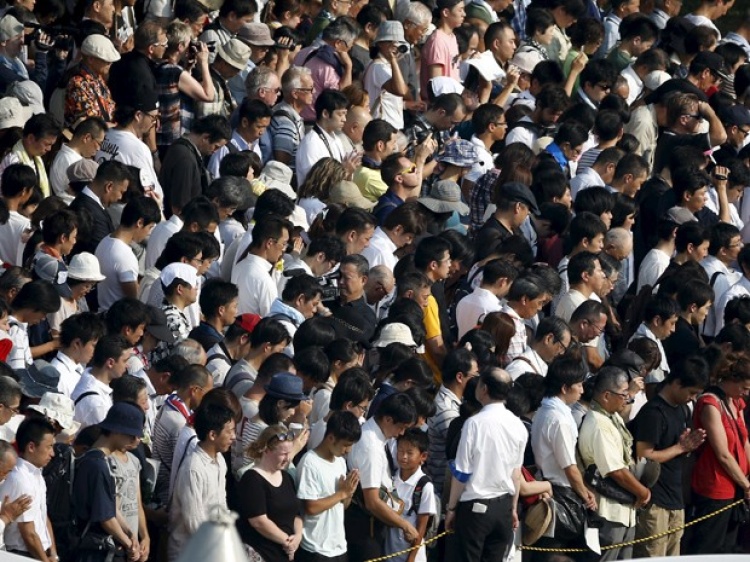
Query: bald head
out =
(380, 282)
(618, 243)
(357, 119)
(495, 385)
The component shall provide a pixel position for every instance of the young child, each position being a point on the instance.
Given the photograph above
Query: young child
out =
(326, 489)
(412, 449)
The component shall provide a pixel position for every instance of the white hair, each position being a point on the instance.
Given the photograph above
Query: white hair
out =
(418, 13)
(292, 78)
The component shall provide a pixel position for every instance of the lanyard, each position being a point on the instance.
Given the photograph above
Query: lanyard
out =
(176, 403)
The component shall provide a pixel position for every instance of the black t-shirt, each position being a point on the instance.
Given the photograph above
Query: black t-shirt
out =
(661, 424)
(93, 490)
(258, 497)
(669, 141)
(681, 343)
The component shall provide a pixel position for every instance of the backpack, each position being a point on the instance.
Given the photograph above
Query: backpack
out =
(416, 500)
(58, 475)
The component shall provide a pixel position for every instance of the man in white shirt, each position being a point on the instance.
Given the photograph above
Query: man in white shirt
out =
(321, 141)
(550, 104)
(87, 139)
(707, 12)
(253, 273)
(526, 297)
(657, 259)
(489, 127)
(599, 174)
(18, 183)
(740, 289)
(482, 508)
(31, 534)
(123, 143)
(10, 510)
(497, 277)
(552, 339)
(118, 262)
(400, 229)
(78, 337)
(92, 395)
(586, 280)
(723, 250)
(365, 524)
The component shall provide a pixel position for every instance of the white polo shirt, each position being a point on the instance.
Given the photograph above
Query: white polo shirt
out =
(25, 478)
(491, 448)
(725, 278)
(474, 307)
(381, 250)
(554, 434)
(93, 408)
(368, 456)
(70, 373)
(257, 288)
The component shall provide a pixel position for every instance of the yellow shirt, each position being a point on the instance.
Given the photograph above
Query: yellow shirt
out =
(370, 183)
(432, 330)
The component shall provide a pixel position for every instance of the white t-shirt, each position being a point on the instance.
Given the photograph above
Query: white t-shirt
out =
(119, 265)
(696, 19)
(653, 265)
(12, 238)
(125, 147)
(394, 538)
(383, 104)
(58, 173)
(318, 478)
(313, 148)
(485, 163)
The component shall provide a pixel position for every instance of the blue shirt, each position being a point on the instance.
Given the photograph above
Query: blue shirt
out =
(387, 202)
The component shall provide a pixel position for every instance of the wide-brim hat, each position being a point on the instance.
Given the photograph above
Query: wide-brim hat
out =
(445, 197)
(287, 387)
(235, 53)
(37, 379)
(395, 332)
(256, 34)
(390, 31)
(13, 113)
(59, 408)
(537, 521)
(347, 193)
(277, 175)
(85, 267)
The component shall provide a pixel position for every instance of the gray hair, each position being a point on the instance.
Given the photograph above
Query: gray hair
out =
(191, 351)
(418, 14)
(380, 273)
(359, 262)
(259, 77)
(344, 29)
(609, 379)
(10, 390)
(292, 78)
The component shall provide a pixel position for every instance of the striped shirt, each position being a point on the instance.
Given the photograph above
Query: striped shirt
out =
(447, 404)
(518, 341)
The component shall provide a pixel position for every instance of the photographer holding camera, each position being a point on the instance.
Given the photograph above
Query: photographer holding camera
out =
(383, 79)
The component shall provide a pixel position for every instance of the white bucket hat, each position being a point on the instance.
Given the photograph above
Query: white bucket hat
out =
(85, 267)
(59, 408)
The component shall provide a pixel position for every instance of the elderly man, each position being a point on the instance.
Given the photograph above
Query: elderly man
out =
(330, 64)
(618, 244)
(355, 271)
(482, 508)
(605, 442)
(380, 284)
(416, 24)
(11, 47)
(87, 93)
(350, 137)
(287, 126)
(263, 84)
(230, 60)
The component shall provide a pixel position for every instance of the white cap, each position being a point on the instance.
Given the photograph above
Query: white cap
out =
(235, 53)
(13, 113)
(29, 93)
(10, 27)
(100, 47)
(182, 271)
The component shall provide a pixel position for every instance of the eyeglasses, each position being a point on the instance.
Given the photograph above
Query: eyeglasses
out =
(308, 90)
(624, 395)
(362, 409)
(154, 118)
(696, 116)
(409, 170)
(15, 411)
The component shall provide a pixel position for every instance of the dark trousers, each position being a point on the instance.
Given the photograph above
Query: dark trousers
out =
(365, 535)
(717, 535)
(303, 555)
(484, 529)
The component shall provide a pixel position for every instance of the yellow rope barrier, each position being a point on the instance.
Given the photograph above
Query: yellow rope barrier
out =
(566, 550)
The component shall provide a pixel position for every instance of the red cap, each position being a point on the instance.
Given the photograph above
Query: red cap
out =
(248, 322)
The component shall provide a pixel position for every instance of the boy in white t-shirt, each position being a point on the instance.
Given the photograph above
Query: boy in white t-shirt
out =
(412, 450)
(326, 490)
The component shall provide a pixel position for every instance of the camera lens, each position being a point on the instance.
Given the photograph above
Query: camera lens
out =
(403, 49)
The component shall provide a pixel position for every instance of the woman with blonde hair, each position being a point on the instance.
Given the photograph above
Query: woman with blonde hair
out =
(270, 524)
(315, 190)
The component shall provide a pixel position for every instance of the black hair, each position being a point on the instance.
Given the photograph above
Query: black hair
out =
(633, 164)
(538, 19)
(692, 372)
(547, 72)
(108, 347)
(694, 292)
(17, 178)
(377, 130)
(424, 401)
(241, 8)
(192, 375)
(582, 262)
(690, 233)
(585, 226)
(355, 219)
(269, 228)
(585, 31)
(638, 25)
(662, 306)
(252, 110)
(457, 361)
(314, 331)
(597, 200)
(548, 183)
(416, 437)
(430, 249)
(200, 211)
(721, 237)
(329, 101)
(181, 245)
(573, 133)
(554, 98)
(313, 363)
(216, 127)
(84, 326)
(563, 371)
(127, 388)
(216, 293)
(59, 223)
(126, 312)
(331, 247)
(344, 426)
(39, 296)
(399, 407)
(32, 430)
(212, 417)
(599, 71)
(688, 180)
(140, 208)
(269, 330)
(497, 386)
(484, 115)
(41, 125)
(416, 370)
(608, 125)
(737, 309)
(736, 335)
(529, 286)
(273, 202)
(353, 386)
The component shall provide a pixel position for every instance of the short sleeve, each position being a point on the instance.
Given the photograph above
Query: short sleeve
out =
(379, 74)
(252, 495)
(649, 425)
(563, 445)
(371, 471)
(428, 505)
(607, 448)
(436, 51)
(432, 319)
(464, 455)
(310, 486)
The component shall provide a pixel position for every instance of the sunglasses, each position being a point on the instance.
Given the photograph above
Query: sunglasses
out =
(289, 436)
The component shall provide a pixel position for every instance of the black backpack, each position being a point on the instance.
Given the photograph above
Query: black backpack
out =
(58, 475)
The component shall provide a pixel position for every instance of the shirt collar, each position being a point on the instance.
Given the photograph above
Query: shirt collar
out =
(88, 193)
(69, 363)
(23, 464)
(373, 426)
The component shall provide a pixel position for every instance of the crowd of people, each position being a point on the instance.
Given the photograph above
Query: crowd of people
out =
(364, 272)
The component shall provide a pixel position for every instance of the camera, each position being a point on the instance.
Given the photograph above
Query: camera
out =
(62, 34)
(403, 49)
(195, 46)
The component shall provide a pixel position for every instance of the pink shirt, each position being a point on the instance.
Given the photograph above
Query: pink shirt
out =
(324, 76)
(441, 49)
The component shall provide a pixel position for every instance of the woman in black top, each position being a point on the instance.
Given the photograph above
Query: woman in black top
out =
(270, 520)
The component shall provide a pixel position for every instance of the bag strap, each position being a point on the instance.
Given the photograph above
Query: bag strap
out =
(84, 395)
(416, 496)
(179, 464)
